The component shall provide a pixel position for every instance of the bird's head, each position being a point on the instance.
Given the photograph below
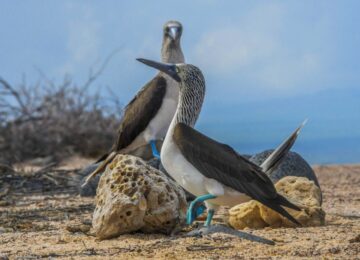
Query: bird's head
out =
(186, 74)
(191, 88)
(172, 32)
(171, 47)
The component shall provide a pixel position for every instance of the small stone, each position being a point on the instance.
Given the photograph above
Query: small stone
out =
(73, 228)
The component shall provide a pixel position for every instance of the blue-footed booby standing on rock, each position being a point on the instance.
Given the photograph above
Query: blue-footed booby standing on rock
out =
(210, 170)
(148, 115)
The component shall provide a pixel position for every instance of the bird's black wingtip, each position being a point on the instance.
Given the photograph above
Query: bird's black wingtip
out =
(285, 202)
(293, 220)
(278, 204)
(286, 214)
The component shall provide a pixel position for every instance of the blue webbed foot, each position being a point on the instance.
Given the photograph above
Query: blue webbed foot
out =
(193, 212)
(196, 208)
(154, 150)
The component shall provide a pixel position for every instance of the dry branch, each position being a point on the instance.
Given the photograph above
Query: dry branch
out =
(49, 119)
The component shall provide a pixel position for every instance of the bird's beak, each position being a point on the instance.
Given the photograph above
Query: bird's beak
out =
(173, 32)
(168, 68)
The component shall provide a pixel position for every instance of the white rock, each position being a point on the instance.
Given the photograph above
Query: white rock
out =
(134, 196)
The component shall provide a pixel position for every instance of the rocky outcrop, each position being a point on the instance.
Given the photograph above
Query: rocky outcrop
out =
(299, 190)
(134, 196)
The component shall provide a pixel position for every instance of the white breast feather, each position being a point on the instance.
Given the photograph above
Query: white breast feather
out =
(158, 126)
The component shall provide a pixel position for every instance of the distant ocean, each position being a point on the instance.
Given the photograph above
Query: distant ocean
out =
(321, 151)
(326, 151)
(331, 136)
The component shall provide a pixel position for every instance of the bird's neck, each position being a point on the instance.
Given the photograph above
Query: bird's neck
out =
(188, 109)
(171, 52)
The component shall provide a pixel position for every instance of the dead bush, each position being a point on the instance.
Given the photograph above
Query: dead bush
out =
(48, 119)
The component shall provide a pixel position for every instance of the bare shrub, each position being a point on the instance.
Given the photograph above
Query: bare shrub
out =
(47, 119)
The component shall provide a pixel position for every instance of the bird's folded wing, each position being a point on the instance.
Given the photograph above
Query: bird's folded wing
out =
(220, 162)
(139, 112)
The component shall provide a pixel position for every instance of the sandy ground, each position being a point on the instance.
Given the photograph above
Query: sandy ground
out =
(53, 222)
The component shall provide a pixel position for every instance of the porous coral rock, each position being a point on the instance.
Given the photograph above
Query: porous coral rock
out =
(299, 190)
(245, 215)
(134, 196)
(89, 190)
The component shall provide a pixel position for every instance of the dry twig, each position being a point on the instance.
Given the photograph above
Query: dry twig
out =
(56, 119)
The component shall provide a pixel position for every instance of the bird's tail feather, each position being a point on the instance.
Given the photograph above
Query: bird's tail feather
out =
(279, 153)
(102, 158)
(101, 167)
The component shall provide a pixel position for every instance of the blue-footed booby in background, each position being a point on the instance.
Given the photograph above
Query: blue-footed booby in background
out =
(148, 115)
(210, 170)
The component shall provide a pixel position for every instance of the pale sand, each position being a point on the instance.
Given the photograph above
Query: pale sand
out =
(36, 226)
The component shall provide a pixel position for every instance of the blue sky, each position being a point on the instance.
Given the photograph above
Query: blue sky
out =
(268, 64)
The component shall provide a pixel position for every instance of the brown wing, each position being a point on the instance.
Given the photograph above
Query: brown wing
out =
(220, 162)
(139, 112)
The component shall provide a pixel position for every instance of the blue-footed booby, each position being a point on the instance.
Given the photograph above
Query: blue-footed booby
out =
(210, 170)
(148, 115)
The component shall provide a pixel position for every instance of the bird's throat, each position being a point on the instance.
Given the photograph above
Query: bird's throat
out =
(171, 52)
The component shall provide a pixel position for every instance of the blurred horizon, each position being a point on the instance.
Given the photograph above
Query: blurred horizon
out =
(268, 64)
